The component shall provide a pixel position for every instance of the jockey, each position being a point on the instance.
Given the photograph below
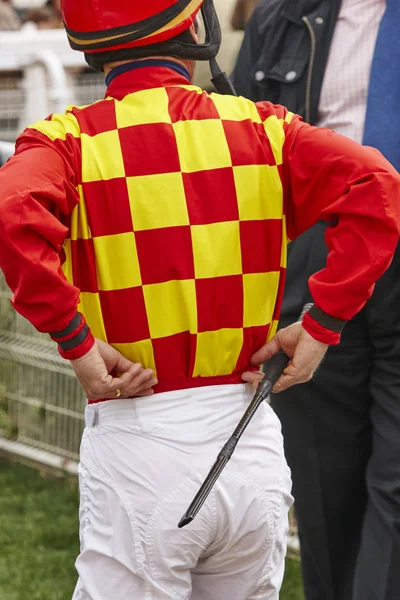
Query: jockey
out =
(147, 234)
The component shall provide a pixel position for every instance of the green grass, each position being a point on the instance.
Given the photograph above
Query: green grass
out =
(292, 587)
(38, 525)
(39, 538)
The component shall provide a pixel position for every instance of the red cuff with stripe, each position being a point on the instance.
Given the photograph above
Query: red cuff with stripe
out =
(319, 332)
(80, 350)
(75, 340)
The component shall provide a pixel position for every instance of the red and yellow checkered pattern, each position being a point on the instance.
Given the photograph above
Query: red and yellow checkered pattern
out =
(178, 243)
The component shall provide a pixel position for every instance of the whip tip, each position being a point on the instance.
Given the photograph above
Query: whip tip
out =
(185, 521)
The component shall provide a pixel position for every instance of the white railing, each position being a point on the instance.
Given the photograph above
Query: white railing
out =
(41, 402)
(40, 75)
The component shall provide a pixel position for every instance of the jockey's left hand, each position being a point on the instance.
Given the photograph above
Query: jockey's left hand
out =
(94, 373)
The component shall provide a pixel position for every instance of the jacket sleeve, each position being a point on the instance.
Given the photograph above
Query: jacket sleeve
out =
(354, 188)
(38, 189)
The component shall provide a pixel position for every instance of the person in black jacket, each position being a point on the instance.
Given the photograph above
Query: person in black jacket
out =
(325, 59)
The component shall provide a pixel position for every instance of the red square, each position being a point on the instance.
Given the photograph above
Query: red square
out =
(188, 105)
(149, 149)
(97, 118)
(165, 254)
(179, 350)
(108, 207)
(248, 143)
(253, 339)
(124, 315)
(220, 303)
(261, 243)
(211, 196)
(84, 265)
(267, 109)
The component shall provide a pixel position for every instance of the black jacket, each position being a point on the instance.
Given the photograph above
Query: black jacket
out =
(283, 59)
(287, 45)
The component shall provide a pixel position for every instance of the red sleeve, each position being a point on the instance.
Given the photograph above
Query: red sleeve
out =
(328, 176)
(37, 190)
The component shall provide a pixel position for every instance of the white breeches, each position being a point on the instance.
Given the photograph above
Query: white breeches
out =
(142, 462)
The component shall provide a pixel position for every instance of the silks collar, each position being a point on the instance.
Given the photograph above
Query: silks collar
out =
(150, 62)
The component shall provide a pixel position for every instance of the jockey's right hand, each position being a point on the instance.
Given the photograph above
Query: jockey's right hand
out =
(305, 353)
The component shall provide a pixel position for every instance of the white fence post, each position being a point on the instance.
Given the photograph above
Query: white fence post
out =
(36, 95)
(46, 87)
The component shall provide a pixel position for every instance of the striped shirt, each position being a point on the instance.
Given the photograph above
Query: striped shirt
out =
(343, 101)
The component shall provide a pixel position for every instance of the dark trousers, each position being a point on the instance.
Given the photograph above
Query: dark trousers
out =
(342, 442)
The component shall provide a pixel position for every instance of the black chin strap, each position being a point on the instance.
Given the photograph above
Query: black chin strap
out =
(220, 80)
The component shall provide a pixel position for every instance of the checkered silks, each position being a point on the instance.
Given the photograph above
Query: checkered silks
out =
(178, 243)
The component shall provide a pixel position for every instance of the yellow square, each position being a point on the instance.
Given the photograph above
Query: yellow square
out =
(79, 223)
(231, 108)
(67, 264)
(142, 108)
(272, 330)
(90, 306)
(216, 249)
(285, 242)
(59, 126)
(276, 135)
(217, 352)
(202, 145)
(171, 307)
(289, 117)
(259, 192)
(157, 201)
(117, 261)
(101, 157)
(138, 352)
(192, 88)
(260, 292)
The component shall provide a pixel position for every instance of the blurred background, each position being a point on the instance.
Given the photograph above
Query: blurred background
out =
(41, 403)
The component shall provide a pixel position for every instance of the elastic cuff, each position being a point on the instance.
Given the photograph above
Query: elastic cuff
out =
(70, 330)
(75, 340)
(326, 320)
(80, 350)
(73, 335)
(319, 332)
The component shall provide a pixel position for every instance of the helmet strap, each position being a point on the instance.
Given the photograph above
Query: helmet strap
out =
(220, 80)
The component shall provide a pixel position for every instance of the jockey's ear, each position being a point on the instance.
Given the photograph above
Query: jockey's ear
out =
(194, 29)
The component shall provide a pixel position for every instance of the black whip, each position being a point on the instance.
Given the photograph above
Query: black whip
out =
(273, 370)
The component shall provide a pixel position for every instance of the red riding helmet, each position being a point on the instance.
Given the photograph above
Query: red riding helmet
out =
(137, 27)
(102, 25)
